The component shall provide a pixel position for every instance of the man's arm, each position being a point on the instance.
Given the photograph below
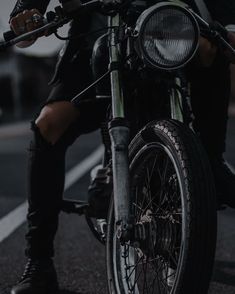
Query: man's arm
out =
(22, 5)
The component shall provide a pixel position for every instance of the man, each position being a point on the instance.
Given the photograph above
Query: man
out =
(60, 123)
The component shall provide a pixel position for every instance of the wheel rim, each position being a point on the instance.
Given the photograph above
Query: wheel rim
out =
(153, 265)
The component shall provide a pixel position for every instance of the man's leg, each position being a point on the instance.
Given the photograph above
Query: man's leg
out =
(210, 100)
(46, 175)
(53, 133)
(56, 128)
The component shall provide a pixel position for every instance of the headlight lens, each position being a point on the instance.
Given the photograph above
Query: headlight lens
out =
(168, 36)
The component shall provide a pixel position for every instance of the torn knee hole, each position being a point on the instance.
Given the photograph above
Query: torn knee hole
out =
(39, 143)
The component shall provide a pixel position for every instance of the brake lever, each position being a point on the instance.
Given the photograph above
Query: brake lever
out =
(226, 45)
(220, 35)
(51, 24)
(27, 35)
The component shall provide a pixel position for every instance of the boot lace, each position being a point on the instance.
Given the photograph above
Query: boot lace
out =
(32, 271)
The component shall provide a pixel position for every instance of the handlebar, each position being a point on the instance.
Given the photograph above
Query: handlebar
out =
(9, 35)
(52, 22)
(66, 13)
(217, 32)
(62, 15)
(12, 39)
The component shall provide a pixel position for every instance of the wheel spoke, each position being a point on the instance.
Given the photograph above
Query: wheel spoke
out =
(135, 266)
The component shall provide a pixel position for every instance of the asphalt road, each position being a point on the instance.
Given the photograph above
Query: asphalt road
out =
(80, 259)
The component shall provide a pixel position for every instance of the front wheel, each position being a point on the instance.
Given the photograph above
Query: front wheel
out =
(173, 207)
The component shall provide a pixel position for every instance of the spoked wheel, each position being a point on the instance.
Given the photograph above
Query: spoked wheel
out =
(174, 216)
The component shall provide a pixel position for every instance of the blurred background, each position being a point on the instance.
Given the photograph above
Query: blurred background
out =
(25, 73)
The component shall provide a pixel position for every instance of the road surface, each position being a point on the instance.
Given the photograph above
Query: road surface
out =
(80, 259)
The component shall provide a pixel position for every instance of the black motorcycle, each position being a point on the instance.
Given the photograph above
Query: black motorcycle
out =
(161, 225)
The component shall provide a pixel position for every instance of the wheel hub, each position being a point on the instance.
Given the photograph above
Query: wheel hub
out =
(156, 234)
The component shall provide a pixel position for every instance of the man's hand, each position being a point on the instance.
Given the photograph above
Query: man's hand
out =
(24, 22)
(207, 52)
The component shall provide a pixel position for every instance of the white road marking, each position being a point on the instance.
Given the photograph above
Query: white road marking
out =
(10, 222)
(15, 218)
(231, 167)
(83, 167)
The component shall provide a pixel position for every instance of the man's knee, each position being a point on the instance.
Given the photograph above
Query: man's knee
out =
(55, 119)
(47, 126)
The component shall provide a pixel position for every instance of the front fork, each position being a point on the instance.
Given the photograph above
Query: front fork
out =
(119, 135)
(176, 102)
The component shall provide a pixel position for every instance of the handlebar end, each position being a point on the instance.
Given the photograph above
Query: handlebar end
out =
(8, 36)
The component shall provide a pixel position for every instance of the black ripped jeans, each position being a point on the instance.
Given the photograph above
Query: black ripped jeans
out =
(46, 174)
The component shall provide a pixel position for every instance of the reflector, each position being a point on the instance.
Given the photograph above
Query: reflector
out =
(168, 36)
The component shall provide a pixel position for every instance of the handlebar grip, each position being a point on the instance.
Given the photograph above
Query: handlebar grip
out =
(8, 36)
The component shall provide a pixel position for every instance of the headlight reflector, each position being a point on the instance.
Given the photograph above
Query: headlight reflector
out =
(168, 36)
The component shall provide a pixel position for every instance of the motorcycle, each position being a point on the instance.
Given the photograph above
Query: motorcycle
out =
(160, 232)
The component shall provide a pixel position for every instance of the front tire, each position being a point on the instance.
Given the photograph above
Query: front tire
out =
(173, 202)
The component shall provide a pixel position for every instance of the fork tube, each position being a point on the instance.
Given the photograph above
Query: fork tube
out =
(114, 48)
(119, 133)
(176, 103)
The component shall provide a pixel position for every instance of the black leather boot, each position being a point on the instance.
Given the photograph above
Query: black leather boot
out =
(39, 277)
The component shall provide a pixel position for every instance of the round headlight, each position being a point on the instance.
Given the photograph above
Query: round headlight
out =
(167, 36)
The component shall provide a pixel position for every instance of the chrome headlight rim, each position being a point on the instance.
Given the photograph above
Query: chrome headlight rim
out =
(141, 25)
